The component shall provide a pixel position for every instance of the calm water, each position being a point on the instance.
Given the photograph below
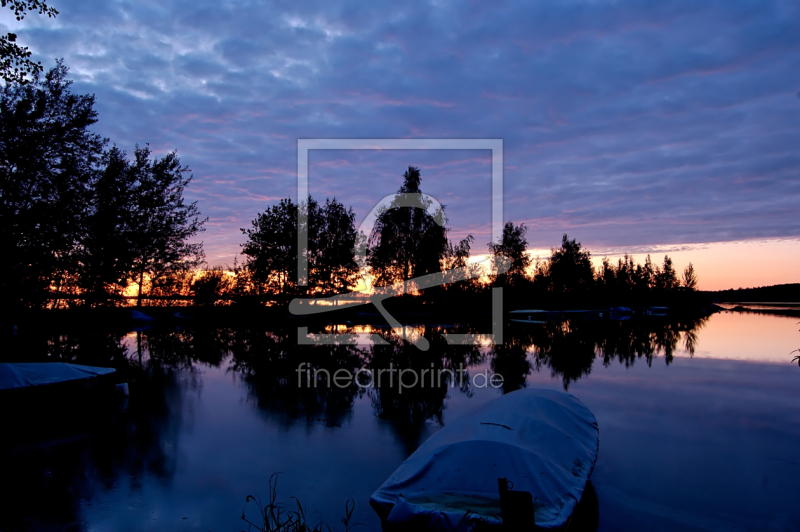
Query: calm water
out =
(702, 441)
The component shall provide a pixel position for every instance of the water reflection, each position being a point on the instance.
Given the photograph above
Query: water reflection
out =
(569, 348)
(52, 479)
(291, 382)
(55, 479)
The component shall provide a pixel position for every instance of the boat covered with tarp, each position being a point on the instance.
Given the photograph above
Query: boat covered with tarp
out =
(542, 442)
(43, 400)
(18, 376)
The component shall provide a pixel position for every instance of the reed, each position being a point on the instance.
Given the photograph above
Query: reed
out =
(276, 517)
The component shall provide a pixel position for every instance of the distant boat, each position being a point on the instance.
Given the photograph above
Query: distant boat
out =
(141, 316)
(579, 314)
(543, 443)
(620, 313)
(528, 316)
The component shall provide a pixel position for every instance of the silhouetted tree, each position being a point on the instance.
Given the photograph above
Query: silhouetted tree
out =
(106, 248)
(689, 278)
(15, 62)
(271, 247)
(456, 257)
(512, 251)
(646, 279)
(570, 267)
(407, 242)
(162, 223)
(607, 276)
(48, 158)
(210, 285)
(332, 264)
(666, 279)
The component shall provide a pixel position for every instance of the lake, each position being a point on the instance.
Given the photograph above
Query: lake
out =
(699, 422)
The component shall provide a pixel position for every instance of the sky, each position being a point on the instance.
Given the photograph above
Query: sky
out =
(634, 126)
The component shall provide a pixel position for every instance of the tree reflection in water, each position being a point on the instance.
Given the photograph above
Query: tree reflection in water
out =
(53, 479)
(270, 362)
(569, 348)
(63, 470)
(406, 406)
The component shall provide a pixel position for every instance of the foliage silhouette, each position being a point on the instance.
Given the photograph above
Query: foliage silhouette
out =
(15, 62)
(407, 241)
(162, 222)
(513, 249)
(82, 222)
(48, 159)
(271, 247)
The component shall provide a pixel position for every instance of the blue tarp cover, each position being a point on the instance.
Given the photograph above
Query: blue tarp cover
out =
(23, 375)
(544, 441)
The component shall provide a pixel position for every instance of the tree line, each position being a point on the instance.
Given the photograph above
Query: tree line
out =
(410, 240)
(78, 217)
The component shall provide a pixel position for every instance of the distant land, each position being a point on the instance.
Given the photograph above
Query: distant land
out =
(779, 293)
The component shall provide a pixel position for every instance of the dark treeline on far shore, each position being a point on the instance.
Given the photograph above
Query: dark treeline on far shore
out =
(83, 224)
(779, 293)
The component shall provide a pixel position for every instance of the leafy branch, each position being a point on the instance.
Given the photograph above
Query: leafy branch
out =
(15, 62)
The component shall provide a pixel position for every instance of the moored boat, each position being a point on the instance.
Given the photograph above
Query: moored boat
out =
(43, 397)
(35, 375)
(542, 442)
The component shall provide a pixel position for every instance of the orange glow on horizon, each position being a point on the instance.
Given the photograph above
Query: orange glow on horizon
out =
(725, 265)
(719, 265)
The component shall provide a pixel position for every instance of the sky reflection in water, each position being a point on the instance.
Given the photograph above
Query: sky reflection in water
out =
(702, 443)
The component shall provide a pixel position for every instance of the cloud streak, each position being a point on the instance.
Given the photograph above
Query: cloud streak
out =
(626, 123)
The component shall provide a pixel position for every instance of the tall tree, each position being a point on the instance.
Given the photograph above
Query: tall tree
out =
(332, 265)
(647, 278)
(512, 250)
(107, 245)
(689, 278)
(15, 60)
(571, 267)
(667, 278)
(48, 158)
(407, 241)
(271, 247)
(162, 223)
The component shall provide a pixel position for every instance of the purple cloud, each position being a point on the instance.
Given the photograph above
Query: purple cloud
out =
(626, 123)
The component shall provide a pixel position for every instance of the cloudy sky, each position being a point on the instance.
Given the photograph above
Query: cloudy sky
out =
(629, 124)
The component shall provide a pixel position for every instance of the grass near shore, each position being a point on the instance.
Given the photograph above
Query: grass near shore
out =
(277, 517)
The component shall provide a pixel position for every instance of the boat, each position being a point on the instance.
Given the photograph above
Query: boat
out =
(30, 375)
(620, 313)
(36, 396)
(140, 316)
(542, 443)
(528, 316)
